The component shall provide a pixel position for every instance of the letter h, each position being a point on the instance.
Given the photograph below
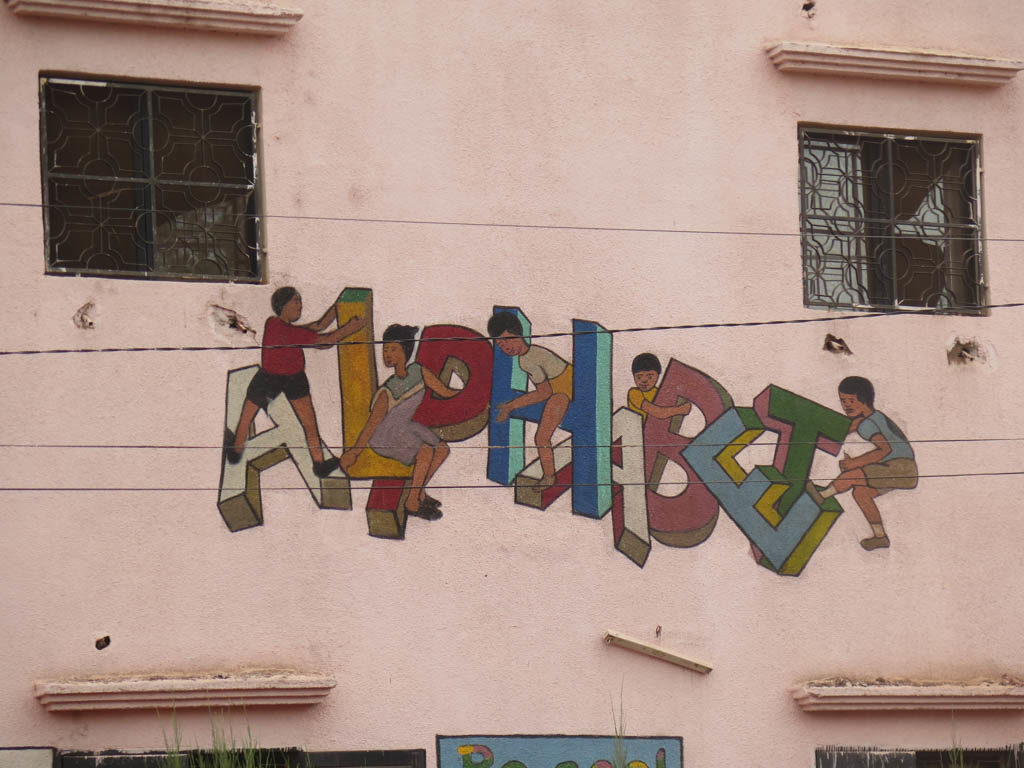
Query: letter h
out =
(588, 418)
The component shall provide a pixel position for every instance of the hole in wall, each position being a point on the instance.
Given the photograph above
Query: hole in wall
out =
(102, 642)
(83, 317)
(964, 352)
(836, 345)
(228, 319)
(808, 9)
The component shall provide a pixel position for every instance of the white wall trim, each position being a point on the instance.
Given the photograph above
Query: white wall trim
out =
(242, 689)
(851, 695)
(246, 16)
(891, 64)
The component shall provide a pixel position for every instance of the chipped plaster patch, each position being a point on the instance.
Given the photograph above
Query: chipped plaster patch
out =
(966, 351)
(85, 316)
(228, 322)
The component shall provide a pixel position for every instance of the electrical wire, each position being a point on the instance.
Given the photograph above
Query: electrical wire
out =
(495, 486)
(614, 446)
(564, 334)
(512, 225)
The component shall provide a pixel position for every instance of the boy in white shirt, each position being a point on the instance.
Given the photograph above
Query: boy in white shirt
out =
(552, 381)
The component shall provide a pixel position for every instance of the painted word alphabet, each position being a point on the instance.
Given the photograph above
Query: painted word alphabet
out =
(613, 461)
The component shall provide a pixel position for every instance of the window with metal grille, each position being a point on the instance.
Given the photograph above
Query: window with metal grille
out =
(890, 221)
(149, 180)
(856, 757)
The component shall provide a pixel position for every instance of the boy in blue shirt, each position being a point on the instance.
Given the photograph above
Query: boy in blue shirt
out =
(890, 464)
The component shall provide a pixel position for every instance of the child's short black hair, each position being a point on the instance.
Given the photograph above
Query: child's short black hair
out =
(645, 361)
(281, 297)
(404, 335)
(504, 321)
(859, 386)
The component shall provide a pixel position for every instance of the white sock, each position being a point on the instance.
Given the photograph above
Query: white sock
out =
(878, 530)
(828, 492)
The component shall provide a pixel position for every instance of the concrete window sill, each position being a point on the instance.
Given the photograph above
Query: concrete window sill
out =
(242, 689)
(258, 17)
(891, 64)
(843, 695)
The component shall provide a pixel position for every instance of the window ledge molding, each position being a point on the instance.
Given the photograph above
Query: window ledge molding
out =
(855, 696)
(244, 16)
(241, 689)
(891, 64)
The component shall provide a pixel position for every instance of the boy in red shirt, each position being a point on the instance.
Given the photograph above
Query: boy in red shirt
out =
(283, 369)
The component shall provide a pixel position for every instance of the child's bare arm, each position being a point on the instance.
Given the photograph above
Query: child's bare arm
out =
(874, 456)
(323, 322)
(377, 413)
(665, 411)
(436, 385)
(326, 340)
(538, 395)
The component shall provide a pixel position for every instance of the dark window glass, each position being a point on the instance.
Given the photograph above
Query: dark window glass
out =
(890, 221)
(150, 181)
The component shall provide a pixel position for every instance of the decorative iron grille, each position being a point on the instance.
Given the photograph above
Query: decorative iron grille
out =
(890, 221)
(149, 180)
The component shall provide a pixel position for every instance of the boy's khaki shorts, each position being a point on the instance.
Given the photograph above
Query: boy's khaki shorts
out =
(562, 383)
(890, 475)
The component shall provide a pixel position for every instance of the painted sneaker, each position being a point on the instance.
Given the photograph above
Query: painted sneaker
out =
(425, 512)
(229, 447)
(325, 467)
(875, 542)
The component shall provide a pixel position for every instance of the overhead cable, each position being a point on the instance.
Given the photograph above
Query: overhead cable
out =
(556, 227)
(564, 334)
(773, 443)
(494, 486)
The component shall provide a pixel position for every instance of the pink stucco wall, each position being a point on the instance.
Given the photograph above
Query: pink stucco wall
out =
(602, 114)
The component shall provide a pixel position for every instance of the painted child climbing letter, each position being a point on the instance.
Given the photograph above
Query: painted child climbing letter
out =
(889, 465)
(586, 467)
(645, 507)
(445, 352)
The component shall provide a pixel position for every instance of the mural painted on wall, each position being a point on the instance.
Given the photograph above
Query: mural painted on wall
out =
(447, 383)
(558, 752)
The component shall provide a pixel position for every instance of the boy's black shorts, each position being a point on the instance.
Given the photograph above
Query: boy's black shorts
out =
(264, 387)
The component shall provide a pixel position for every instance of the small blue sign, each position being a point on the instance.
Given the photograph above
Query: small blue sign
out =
(559, 752)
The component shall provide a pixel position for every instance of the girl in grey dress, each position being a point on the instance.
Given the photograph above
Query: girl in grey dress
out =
(391, 430)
